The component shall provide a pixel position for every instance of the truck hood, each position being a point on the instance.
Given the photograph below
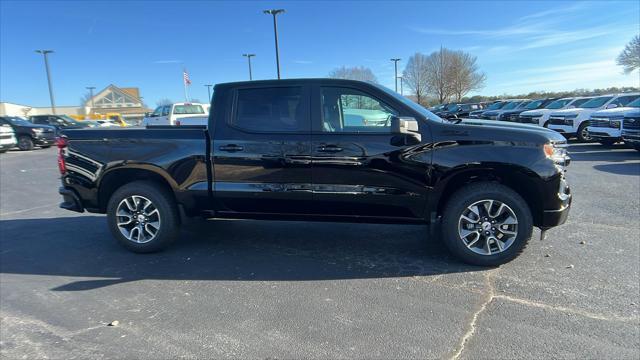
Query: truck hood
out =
(516, 129)
(537, 112)
(574, 111)
(613, 112)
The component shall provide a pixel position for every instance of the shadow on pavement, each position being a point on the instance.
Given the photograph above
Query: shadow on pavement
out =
(229, 250)
(598, 152)
(630, 168)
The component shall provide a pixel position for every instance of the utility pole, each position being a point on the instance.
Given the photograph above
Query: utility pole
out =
(275, 12)
(91, 88)
(395, 63)
(249, 56)
(209, 91)
(401, 87)
(46, 65)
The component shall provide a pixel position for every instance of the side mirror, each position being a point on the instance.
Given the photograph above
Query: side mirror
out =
(612, 106)
(405, 130)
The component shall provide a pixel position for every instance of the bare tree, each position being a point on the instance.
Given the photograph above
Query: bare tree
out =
(354, 73)
(465, 76)
(84, 99)
(629, 58)
(415, 76)
(163, 102)
(439, 71)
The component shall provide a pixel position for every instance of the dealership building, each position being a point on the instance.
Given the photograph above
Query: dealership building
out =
(111, 99)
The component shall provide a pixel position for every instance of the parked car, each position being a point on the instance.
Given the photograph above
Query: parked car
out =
(574, 122)
(631, 128)
(281, 149)
(477, 114)
(169, 114)
(29, 134)
(514, 114)
(456, 111)
(605, 126)
(512, 105)
(540, 117)
(7, 138)
(60, 122)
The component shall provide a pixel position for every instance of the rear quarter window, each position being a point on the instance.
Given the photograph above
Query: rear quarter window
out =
(277, 109)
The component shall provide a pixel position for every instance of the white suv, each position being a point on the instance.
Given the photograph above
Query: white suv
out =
(540, 117)
(605, 126)
(168, 114)
(574, 122)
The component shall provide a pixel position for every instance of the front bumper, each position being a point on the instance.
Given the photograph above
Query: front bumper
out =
(71, 201)
(603, 133)
(563, 129)
(562, 200)
(631, 137)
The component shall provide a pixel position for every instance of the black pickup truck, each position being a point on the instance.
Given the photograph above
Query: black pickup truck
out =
(322, 149)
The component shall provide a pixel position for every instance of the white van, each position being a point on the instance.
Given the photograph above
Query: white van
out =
(169, 114)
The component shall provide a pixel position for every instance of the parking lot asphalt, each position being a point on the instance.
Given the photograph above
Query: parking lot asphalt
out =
(257, 289)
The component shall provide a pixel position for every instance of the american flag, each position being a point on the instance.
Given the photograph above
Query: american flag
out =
(185, 77)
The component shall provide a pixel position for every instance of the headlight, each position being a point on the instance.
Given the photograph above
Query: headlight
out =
(557, 152)
(571, 116)
(37, 130)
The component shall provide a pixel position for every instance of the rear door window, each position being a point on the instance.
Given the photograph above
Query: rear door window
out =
(275, 109)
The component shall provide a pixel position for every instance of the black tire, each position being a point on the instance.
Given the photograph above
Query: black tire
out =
(25, 143)
(169, 225)
(582, 132)
(45, 146)
(606, 142)
(470, 194)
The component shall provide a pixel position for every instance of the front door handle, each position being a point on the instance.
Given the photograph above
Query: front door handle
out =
(231, 148)
(329, 148)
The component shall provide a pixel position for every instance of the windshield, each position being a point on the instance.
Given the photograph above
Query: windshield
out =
(188, 109)
(14, 120)
(452, 107)
(496, 106)
(558, 104)
(596, 102)
(415, 106)
(68, 121)
(534, 104)
(511, 105)
(634, 103)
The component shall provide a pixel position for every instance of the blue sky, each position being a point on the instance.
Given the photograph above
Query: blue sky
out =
(521, 46)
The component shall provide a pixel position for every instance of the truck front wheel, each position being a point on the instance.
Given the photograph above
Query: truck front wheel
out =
(143, 217)
(486, 224)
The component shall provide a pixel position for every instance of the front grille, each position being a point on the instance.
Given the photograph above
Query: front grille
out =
(631, 123)
(560, 121)
(599, 122)
(528, 119)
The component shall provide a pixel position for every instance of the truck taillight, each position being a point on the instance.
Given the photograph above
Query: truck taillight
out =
(61, 143)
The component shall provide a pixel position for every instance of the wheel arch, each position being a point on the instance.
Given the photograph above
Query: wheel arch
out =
(114, 179)
(521, 180)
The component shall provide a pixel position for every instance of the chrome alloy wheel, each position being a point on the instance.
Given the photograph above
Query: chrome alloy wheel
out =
(138, 219)
(488, 227)
(585, 134)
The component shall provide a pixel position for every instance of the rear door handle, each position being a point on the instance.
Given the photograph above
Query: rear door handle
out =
(329, 148)
(231, 148)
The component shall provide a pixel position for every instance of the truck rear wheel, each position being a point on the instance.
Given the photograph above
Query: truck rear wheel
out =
(486, 224)
(25, 143)
(143, 217)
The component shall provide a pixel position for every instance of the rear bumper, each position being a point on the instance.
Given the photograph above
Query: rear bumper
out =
(71, 201)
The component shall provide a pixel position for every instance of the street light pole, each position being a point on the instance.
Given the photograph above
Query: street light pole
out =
(209, 91)
(401, 87)
(395, 63)
(275, 12)
(46, 65)
(91, 88)
(248, 56)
